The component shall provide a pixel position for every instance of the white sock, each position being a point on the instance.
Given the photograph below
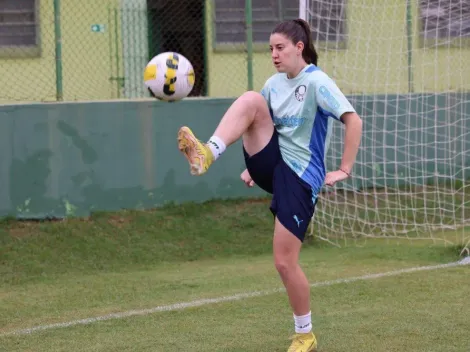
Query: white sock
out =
(217, 146)
(303, 323)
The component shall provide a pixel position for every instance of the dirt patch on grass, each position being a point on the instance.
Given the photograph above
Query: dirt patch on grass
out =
(23, 229)
(119, 221)
(248, 204)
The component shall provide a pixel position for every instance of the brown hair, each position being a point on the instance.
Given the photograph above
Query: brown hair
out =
(299, 31)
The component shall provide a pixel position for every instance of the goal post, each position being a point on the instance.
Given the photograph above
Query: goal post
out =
(404, 66)
(303, 5)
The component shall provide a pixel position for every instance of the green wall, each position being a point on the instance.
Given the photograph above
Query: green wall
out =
(72, 158)
(67, 159)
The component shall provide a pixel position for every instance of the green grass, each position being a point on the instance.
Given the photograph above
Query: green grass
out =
(133, 239)
(55, 272)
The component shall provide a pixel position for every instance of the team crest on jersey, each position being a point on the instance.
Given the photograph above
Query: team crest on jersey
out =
(300, 92)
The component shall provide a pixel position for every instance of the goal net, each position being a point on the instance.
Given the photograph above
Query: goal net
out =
(404, 66)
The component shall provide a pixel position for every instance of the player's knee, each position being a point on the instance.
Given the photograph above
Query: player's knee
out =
(284, 266)
(253, 99)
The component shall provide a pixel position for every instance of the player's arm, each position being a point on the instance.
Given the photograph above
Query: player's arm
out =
(335, 104)
(352, 140)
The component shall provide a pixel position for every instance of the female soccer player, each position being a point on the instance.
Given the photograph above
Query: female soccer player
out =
(285, 132)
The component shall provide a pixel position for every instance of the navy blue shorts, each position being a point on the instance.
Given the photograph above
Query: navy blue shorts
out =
(292, 201)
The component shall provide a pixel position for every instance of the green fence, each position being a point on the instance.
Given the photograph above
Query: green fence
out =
(97, 50)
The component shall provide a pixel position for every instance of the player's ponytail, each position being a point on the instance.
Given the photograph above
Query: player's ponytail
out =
(299, 31)
(309, 53)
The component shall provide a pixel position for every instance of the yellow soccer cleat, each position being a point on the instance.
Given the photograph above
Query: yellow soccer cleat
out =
(198, 154)
(303, 343)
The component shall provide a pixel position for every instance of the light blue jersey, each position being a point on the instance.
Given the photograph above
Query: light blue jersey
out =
(303, 109)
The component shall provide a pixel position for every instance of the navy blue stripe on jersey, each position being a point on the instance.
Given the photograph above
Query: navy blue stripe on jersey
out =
(315, 172)
(329, 114)
(312, 68)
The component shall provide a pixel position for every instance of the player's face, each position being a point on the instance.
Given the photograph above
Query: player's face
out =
(284, 53)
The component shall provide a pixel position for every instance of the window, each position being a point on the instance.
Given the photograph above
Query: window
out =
(18, 28)
(327, 19)
(444, 21)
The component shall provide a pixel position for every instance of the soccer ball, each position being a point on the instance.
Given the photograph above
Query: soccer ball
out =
(169, 76)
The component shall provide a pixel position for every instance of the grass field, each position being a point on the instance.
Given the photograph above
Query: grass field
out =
(130, 262)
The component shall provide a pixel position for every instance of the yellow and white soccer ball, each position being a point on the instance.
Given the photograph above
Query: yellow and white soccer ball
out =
(169, 76)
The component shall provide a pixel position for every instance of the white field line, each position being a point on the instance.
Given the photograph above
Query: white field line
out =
(237, 297)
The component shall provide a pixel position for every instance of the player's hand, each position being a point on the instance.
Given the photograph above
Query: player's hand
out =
(335, 176)
(245, 176)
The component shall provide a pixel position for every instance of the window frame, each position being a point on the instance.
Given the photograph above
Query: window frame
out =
(424, 42)
(25, 51)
